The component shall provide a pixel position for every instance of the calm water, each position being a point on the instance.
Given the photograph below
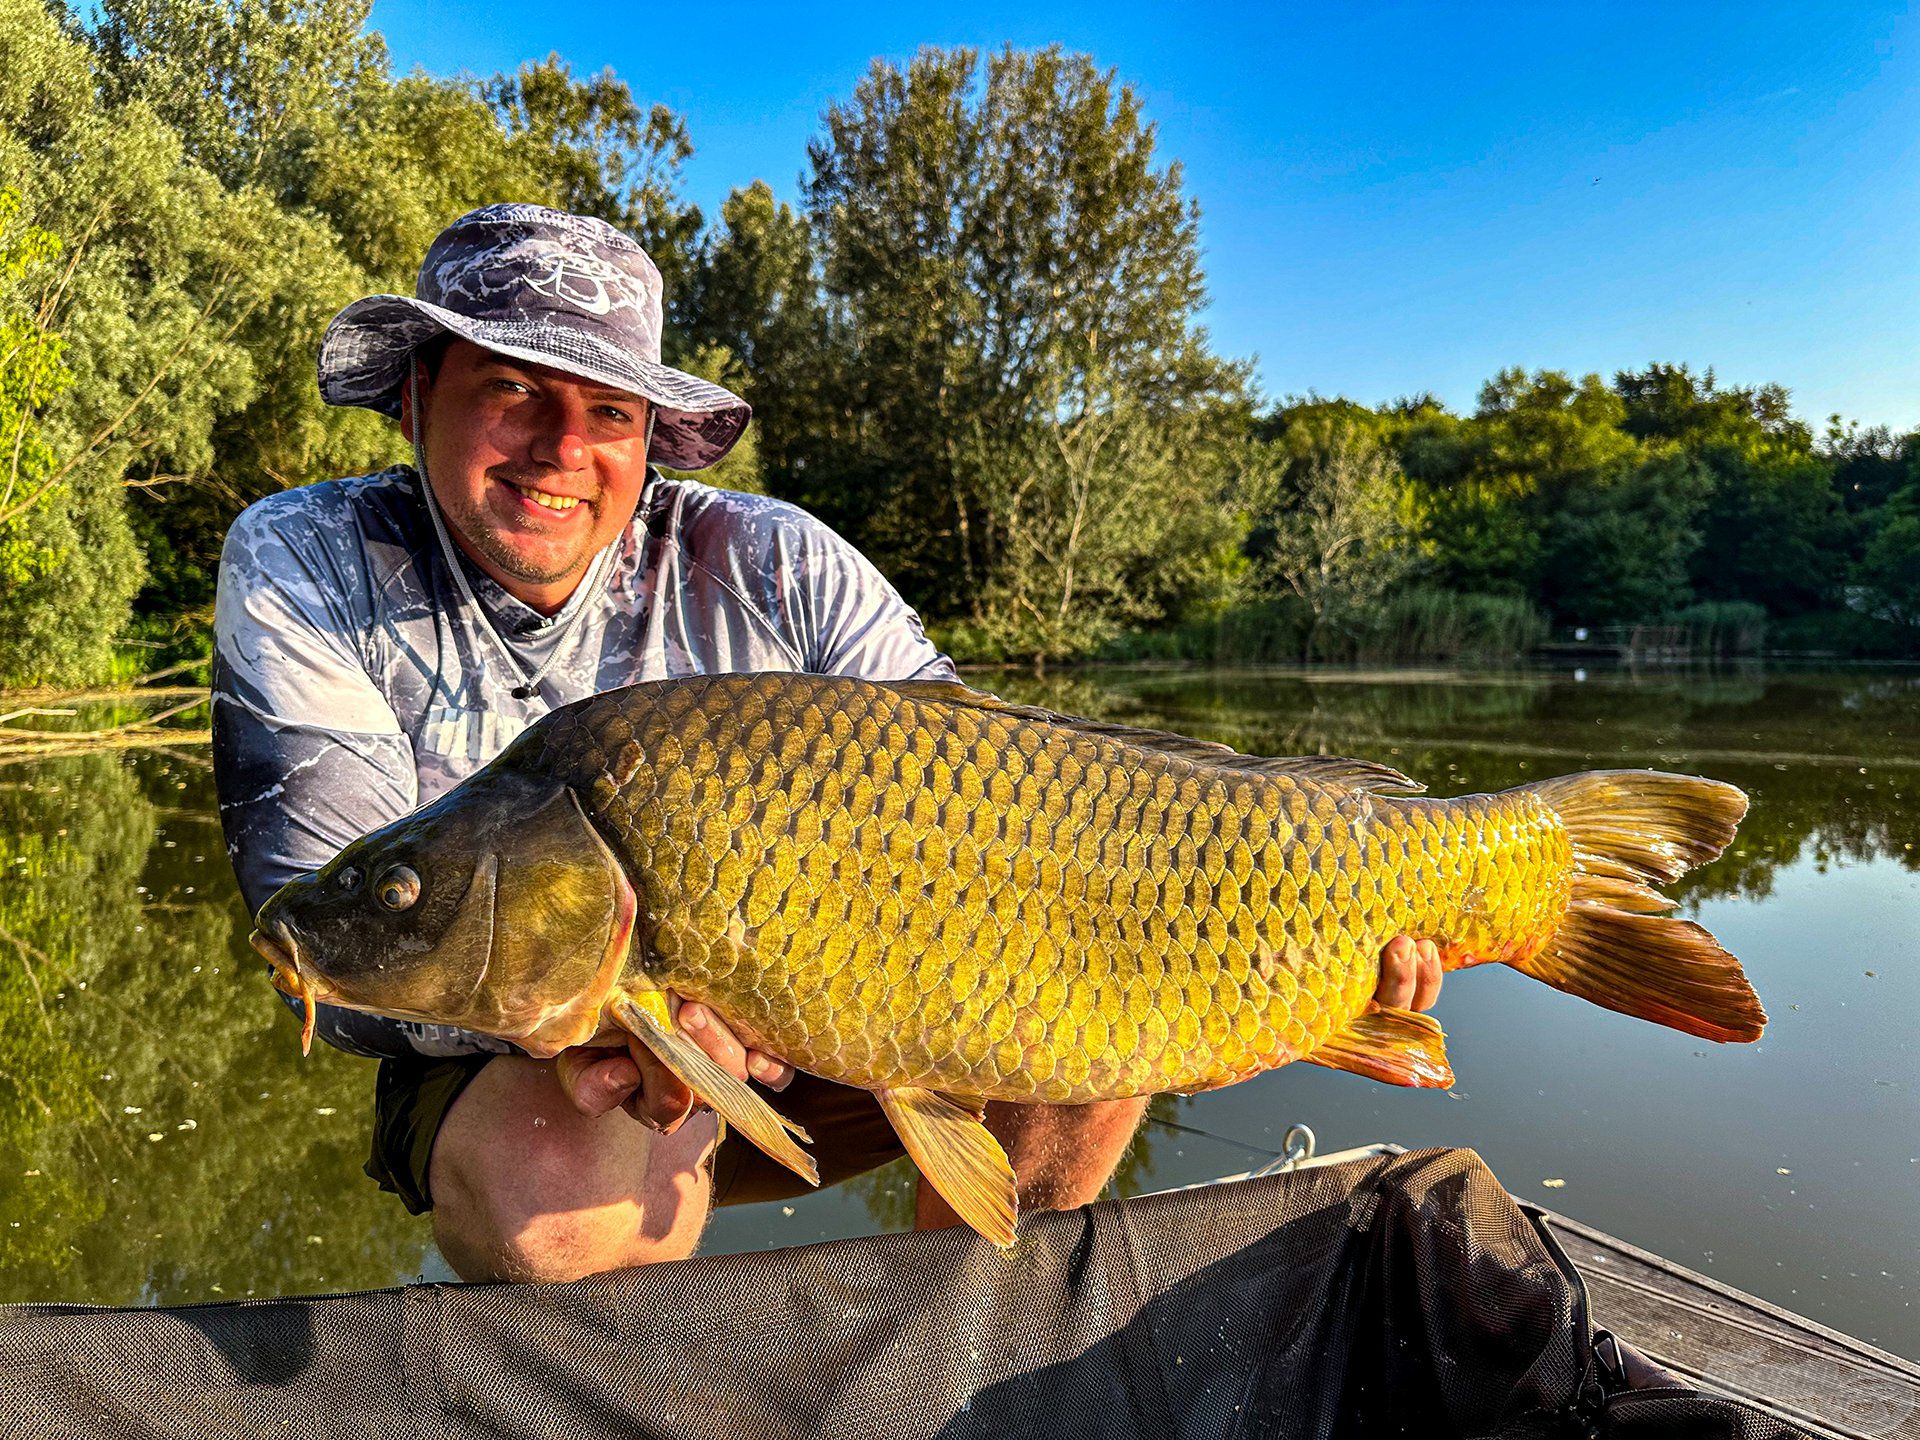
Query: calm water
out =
(162, 1141)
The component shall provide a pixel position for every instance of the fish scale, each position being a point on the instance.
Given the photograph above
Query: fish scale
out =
(932, 895)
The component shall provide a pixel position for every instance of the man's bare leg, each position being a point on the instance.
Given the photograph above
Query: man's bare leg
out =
(527, 1187)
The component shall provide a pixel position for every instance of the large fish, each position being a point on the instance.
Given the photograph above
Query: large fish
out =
(925, 891)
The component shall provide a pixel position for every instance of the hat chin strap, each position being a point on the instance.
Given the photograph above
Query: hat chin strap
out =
(529, 686)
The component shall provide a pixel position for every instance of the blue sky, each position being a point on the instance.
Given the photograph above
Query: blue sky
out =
(1398, 198)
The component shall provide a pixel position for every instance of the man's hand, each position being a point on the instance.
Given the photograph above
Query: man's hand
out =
(1409, 974)
(598, 1078)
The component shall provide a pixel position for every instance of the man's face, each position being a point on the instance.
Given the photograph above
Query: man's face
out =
(535, 470)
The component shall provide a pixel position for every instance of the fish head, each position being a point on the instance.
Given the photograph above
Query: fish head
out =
(499, 908)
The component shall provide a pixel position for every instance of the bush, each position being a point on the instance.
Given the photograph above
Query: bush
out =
(1724, 627)
(1421, 623)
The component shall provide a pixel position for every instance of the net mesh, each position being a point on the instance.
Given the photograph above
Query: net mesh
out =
(1406, 1294)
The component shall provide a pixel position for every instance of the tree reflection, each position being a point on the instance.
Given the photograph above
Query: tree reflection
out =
(160, 1140)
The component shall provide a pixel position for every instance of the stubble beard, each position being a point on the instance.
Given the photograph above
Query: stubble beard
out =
(484, 533)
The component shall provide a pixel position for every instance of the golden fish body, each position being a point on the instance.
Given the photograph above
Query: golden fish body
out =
(924, 891)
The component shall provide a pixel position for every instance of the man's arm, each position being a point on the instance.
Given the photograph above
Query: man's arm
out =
(308, 755)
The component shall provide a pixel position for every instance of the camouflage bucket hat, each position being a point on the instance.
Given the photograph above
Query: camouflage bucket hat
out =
(546, 287)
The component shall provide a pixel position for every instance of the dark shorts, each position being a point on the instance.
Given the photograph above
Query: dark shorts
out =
(850, 1133)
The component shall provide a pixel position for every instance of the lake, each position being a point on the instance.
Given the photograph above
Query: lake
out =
(162, 1141)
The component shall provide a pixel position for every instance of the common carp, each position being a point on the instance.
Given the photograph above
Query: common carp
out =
(944, 898)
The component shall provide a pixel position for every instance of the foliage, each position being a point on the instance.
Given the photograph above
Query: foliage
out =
(34, 543)
(1616, 549)
(1774, 529)
(1333, 503)
(1102, 516)
(1001, 257)
(754, 295)
(597, 151)
(1889, 571)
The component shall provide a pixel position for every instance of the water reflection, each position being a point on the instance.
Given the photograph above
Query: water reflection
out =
(160, 1139)
(156, 1142)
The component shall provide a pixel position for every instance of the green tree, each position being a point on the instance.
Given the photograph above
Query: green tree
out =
(145, 301)
(1774, 530)
(755, 297)
(1869, 464)
(38, 533)
(1485, 489)
(999, 249)
(1617, 549)
(598, 151)
(1103, 517)
(1888, 573)
(1339, 534)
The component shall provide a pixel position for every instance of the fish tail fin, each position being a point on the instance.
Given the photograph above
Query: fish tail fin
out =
(1631, 831)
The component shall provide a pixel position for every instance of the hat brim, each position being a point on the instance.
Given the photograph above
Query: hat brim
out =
(367, 348)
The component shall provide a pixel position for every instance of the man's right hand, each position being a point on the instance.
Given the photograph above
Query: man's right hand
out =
(598, 1078)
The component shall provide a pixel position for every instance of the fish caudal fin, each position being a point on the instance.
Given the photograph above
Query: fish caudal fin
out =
(1631, 831)
(959, 1156)
(1401, 1047)
(736, 1102)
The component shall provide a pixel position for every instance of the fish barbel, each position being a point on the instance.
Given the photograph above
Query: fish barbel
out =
(930, 893)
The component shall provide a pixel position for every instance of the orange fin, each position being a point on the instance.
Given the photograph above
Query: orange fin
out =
(643, 1016)
(1401, 1047)
(1631, 831)
(1672, 972)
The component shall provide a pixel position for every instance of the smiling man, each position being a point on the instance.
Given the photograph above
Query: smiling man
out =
(379, 639)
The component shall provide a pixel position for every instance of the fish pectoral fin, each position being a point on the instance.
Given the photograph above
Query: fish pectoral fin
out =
(737, 1104)
(1401, 1047)
(959, 1156)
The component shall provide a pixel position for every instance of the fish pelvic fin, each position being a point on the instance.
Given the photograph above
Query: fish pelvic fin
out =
(959, 1157)
(1631, 831)
(752, 1116)
(1401, 1047)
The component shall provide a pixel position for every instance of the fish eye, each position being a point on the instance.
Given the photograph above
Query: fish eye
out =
(398, 888)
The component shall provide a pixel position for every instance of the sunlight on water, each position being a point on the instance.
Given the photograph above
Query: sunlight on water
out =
(161, 1141)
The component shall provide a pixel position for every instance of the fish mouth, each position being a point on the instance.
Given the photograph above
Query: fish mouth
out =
(277, 947)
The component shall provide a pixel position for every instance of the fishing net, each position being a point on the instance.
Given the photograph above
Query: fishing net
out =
(1401, 1295)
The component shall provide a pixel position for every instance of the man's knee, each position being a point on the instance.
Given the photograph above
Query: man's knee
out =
(526, 1188)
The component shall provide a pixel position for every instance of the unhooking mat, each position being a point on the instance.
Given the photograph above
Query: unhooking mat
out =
(1401, 1295)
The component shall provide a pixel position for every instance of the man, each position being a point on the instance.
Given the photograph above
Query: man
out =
(380, 638)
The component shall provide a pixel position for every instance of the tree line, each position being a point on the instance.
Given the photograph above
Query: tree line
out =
(973, 345)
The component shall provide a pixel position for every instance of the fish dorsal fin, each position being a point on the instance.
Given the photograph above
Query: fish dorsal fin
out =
(1315, 769)
(959, 1157)
(1401, 1047)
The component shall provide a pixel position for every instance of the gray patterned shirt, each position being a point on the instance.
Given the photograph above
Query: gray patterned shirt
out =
(351, 685)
